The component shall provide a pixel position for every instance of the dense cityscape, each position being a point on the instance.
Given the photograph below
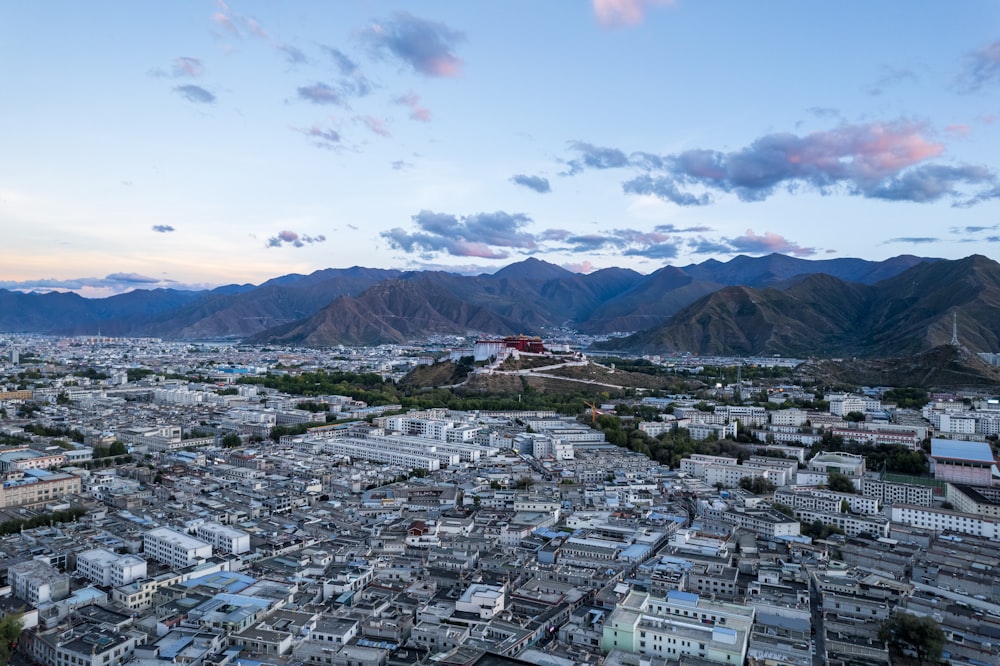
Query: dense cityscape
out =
(165, 502)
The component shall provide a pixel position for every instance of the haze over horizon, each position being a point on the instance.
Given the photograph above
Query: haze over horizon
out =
(204, 143)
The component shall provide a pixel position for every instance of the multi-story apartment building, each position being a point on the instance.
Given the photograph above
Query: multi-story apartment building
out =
(223, 538)
(174, 548)
(104, 567)
(677, 626)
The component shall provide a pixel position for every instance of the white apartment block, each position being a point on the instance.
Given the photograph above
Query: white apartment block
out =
(767, 523)
(851, 525)
(731, 475)
(889, 492)
(944, 520)
(104, 567)
(697, 463)
(680, 625)
(175, 549)
(37, 583)
(223, 538)
(746, 415)
(979, 500)
(789, 417)
(828, 501)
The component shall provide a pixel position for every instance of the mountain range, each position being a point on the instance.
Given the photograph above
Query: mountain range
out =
(750, 305)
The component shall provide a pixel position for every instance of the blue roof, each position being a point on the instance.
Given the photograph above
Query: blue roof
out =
(960, 449)
(685, 598)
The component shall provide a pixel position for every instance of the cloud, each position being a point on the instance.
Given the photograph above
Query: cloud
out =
(321, 93)
(114, 283)
(293, 55)
(878, 160)
(322, 138)
(706, 246)
(417, 112)
(374, 124)
(658, 251)
(770, 242)
(426, 46)
(536, 183)
(914, 240)
(294, 239)
(958, 130)
(931, 182)
(482, 235)
(133, 278)
(583, 267)
(982, 69)
(195, 94)
(750, 243)
(664, 188)
(352, 81)
(973, 230)
(890, 77)
(182, 67)
(595, 157)
(618, 13)
(345, 64)
(235, 24)
(671, 229)
(163, 228)
(400, 165)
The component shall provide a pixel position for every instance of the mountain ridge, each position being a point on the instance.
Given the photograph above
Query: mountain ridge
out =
(770, 304)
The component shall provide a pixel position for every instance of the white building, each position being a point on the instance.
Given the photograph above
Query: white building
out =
(680, 625)
(223, 538)
(487, 601)
(945, 520)
(174, 548)
(104, 567)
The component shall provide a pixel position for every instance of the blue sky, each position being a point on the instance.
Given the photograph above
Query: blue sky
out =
(200, 143)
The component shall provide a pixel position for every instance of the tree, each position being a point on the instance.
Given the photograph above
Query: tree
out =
(758, 485)
(840, 483)
(907, 633)
(117, 448)
(231, 440)
(857, 417)
(11, 627)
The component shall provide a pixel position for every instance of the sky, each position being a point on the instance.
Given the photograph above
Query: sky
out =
(198, 143)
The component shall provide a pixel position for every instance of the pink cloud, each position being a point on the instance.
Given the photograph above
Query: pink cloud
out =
(767, 243)
(618, 13)
(958, 130)
(582, 267)
(417, 112)
(185, 66)
(375, 125)
(461, 248)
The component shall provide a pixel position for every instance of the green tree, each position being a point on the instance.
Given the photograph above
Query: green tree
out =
(840, 483)
(857, 417)
(231, 440)
(11, 627)
(907, 633)
(117, 449)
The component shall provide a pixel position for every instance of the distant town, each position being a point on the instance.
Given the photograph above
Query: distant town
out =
(221, 504)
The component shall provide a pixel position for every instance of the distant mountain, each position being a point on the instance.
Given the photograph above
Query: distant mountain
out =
(771, 304)
(772, 269)
(821, 315)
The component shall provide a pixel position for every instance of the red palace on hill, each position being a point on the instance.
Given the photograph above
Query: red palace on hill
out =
(484, 349)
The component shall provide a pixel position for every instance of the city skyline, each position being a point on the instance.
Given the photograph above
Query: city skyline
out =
(203, 143)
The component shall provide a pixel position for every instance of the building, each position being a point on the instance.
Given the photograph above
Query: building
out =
(37, 582)
(223, 538)
(104, 567)
(174, 548)
(37, 486)
(848, 464)
(677, 626)
(965, 462)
